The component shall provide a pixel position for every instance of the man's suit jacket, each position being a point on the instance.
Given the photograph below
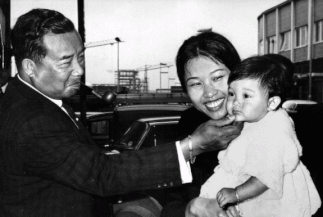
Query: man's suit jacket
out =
(178, 198)
(49, 167)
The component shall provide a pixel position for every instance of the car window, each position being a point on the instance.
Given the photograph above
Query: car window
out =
(160, 134)
(99, 127)
(134, 134)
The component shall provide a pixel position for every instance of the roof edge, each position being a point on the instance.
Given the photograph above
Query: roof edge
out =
(273, 8)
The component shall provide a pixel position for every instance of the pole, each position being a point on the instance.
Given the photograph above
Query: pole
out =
(310, 49)
(160, 84)
(118, 86)
(80, 8)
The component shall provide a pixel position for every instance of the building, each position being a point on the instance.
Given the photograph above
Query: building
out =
(294, 29)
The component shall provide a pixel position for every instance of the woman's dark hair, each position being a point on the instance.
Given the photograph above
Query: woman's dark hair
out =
(29, 30)
(208, 44)
(275, 73)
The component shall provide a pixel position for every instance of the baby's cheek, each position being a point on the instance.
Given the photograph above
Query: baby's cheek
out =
(229, 108)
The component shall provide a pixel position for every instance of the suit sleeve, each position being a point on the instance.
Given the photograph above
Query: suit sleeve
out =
(176, 199)
(50, 149)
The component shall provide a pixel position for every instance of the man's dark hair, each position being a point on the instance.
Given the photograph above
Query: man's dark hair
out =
(274, 71)
(207, 44)
(29, 30)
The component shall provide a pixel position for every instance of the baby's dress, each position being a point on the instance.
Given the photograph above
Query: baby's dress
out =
(268, 150)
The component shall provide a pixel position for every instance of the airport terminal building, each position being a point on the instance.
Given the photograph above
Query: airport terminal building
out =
(294, 29)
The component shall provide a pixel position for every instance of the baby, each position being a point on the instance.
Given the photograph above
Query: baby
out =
(260, 171)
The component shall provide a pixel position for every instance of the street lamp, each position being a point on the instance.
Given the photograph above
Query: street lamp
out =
(160, 74)
(118, 85)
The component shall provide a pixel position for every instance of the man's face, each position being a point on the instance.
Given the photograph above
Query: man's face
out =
(247, 100)
(59, 73)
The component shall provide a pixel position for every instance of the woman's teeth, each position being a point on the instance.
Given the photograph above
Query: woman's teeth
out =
(215, 103)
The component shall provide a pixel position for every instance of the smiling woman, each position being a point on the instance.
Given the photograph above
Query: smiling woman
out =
(206, 84)
(203, 66)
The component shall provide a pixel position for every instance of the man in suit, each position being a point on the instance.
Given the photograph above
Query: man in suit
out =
(49, 164)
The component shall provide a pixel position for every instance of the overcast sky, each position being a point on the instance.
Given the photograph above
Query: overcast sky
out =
(153, 30)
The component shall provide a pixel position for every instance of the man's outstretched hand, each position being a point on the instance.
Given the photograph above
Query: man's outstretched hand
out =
(215, 134)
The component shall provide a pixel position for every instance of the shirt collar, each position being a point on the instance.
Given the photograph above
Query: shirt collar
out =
(58, 102)
(3, 88)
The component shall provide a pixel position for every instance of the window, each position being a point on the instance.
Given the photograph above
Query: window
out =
(272, 44)
(285, 41)
(318, 31)
(261, 48)
(99, 128)
(160, 134)
(301, 36)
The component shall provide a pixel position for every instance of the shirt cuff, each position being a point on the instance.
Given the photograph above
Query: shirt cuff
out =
(184, 166)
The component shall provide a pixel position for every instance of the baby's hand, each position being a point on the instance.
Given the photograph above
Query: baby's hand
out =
(225, 196)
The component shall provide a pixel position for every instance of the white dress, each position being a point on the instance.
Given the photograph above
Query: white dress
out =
(268, 150)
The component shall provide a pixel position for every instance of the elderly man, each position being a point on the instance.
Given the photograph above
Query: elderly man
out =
(49, 165)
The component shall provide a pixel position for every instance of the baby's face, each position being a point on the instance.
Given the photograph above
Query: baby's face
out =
(247, 100)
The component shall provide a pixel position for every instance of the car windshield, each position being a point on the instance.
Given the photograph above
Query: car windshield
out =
(133, 135)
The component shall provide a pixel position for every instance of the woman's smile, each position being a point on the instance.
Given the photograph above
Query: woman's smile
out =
(214, 104)
(207, 87)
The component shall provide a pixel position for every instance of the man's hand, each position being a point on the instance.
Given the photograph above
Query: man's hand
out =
(215, 134)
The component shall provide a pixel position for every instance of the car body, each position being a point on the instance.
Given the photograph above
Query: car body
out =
(306, 115)
(142, 134)
(149, 132)
(291, 106)
(108, 127)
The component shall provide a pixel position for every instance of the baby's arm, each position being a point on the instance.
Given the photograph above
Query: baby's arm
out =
(251, 188)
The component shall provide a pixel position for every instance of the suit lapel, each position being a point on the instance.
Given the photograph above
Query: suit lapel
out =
(33, 95)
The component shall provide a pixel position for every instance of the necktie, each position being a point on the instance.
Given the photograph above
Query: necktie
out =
(70, 113)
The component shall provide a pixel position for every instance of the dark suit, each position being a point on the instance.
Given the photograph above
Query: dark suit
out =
(176, 199)
(49, 167)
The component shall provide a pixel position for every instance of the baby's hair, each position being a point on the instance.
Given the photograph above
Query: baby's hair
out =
(274, 72)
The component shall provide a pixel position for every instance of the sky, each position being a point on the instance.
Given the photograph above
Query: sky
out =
(152, 31)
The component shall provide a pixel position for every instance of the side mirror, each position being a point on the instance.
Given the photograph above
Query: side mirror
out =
(108, 97)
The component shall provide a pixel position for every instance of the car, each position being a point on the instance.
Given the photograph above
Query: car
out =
(149, 132)
(291, 106)
(308, 118)
(108, 127)
(142, 134)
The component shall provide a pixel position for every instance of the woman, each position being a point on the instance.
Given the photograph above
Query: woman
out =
(203, 63)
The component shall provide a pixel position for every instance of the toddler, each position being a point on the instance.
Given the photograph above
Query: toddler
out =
(260, 172)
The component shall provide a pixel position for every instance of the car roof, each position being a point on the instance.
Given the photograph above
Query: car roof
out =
(292, 105)
(160, 119)
(172, 107)
(91, 113)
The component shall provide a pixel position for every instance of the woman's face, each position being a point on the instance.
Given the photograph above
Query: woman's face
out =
(207, 87)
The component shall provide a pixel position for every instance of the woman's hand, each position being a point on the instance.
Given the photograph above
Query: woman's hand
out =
(204, 207)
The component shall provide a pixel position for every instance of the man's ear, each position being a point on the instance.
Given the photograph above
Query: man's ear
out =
(273, 103)
(29, 67)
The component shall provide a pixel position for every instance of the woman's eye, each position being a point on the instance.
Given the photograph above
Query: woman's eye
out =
(194, 84)
(217, 78)
(231, 94)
